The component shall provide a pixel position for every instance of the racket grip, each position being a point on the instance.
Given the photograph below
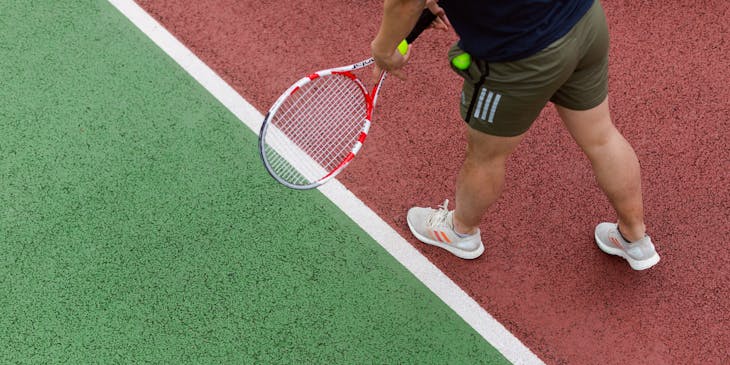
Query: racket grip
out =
(424, 21)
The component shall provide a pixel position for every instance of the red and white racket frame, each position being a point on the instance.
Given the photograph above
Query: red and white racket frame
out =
(370, 99)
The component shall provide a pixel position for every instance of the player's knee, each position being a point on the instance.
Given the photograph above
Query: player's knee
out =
(485, 157)
(600, 135)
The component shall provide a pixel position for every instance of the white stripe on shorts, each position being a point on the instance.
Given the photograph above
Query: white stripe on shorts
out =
(479, 104)
(494, 108)
(486, 106)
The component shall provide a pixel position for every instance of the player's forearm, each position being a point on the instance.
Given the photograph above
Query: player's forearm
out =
(399, 17)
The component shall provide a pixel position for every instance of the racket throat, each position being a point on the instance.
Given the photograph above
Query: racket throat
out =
(375, 91)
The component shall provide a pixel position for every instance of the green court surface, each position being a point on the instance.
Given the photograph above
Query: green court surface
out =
(138, 226)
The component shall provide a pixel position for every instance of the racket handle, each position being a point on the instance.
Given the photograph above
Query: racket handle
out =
(424, 21)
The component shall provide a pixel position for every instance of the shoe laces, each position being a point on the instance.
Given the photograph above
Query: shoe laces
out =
(438, 216)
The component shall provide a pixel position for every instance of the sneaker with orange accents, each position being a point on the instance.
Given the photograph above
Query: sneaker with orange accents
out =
(436, 227)
(640, 254)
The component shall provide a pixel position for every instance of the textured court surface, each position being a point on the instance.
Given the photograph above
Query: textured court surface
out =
(137, 225)
(542, 275)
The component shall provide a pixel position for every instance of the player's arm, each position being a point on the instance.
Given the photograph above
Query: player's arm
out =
(399, 17)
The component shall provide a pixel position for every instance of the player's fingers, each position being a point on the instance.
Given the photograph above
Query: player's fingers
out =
(400, 62)
(442, 21)
(391, 64)
(406, 57)
(439, 24)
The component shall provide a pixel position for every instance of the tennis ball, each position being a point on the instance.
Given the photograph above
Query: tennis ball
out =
(462, 61)
(403, 47)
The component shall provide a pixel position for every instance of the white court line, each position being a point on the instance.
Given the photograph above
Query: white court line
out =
(488, 327)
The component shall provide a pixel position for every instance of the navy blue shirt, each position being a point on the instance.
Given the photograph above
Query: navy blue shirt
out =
(508, 30)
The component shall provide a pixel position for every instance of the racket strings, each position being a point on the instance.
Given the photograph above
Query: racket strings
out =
(305, 139)
(330, 117)
(308, 117)
(315, 128)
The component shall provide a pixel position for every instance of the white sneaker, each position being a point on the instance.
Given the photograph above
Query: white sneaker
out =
(640, 254)
(436, 227)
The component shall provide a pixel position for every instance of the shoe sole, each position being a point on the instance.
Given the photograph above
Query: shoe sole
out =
(637, 265)
(464, 254)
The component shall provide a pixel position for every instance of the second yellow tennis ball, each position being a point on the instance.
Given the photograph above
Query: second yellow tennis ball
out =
(462, 61)
(403, 47)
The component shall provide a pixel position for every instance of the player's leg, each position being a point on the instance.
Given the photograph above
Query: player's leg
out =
(479, 185)
(583, 105)
(481, 178)
(499, 102)
(618, 174)
(614, 162)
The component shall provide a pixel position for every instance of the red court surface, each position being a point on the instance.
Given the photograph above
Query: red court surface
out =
(541, 275)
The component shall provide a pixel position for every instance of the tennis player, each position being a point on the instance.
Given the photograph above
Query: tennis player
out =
(515, 56)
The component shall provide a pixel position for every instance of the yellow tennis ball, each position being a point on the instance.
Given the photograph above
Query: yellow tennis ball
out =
(403, 47)
(462, 61)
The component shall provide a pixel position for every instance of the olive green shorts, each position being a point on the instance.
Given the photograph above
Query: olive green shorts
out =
(505, 98)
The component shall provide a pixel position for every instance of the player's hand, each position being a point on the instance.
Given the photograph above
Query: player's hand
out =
(392, 61)
(442, 21)
(389, 61)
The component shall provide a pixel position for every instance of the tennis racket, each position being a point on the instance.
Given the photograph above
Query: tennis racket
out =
(318, 125)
